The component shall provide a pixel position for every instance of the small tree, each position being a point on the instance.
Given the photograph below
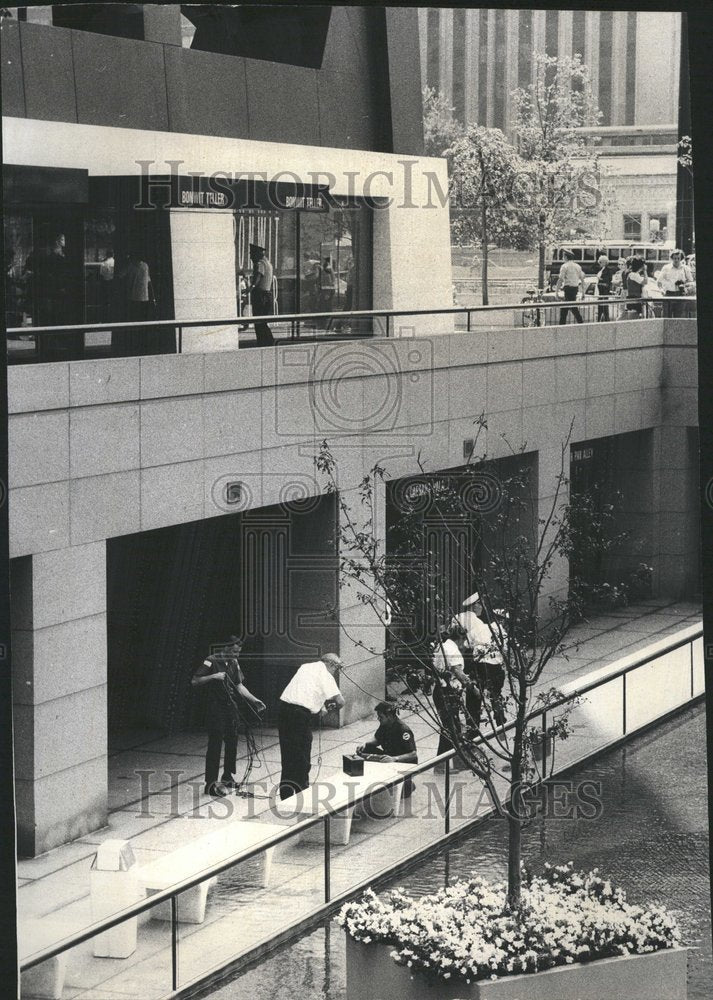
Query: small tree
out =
(509, 561)
(558, 191)
(483, 170)
(440, 127)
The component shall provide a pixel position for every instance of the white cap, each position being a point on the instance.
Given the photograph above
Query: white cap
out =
(473, 599)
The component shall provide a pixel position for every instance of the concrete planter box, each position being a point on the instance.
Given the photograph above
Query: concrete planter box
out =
(373, 975)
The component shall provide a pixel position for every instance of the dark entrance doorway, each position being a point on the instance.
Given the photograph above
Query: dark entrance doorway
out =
(269, 575)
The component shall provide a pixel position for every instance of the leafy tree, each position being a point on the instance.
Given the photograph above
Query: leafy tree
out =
(502, 545)
(484, 168)
(558, 189)
(440, 127)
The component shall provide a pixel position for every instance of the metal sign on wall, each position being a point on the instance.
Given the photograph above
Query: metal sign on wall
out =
(224, 193)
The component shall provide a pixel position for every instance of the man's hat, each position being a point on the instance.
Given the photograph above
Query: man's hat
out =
(568, 254)
(233, 640)
(255, 248)
(473, 599)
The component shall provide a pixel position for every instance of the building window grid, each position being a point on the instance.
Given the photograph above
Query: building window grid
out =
(524, 54)
(483, 68)
(459, 63)
(630, 97)
(499, 88)
(433, 54)
(606, 26)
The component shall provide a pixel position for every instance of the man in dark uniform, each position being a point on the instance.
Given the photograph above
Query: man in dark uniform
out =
(227, 696)
(392, 741)
(261, 293)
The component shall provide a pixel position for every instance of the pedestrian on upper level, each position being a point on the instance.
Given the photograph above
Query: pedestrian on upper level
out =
(570, 282)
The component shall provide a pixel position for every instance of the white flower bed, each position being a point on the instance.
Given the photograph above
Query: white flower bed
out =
(467, 932)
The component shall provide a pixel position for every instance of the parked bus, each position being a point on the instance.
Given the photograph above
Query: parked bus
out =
(587, 254)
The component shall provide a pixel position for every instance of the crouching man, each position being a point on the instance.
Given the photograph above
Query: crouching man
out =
(393, 742)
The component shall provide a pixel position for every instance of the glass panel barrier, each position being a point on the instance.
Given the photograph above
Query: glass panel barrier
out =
(132, 959)
(658, 687)
(699, 678)
(597, 721)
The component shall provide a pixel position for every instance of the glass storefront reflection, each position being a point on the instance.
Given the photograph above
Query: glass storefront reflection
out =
(321, 260)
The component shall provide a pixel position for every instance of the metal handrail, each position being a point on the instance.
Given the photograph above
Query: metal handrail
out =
(276, 318)
(172, 892)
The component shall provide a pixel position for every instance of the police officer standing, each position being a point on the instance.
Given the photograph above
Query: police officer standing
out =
(222, 675)
(261, 293)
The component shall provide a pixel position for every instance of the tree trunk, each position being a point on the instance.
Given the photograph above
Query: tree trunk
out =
(484, 244)
(514, 857)
(541, 256)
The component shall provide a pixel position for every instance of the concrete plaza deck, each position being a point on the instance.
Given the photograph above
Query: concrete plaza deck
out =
(157, 804)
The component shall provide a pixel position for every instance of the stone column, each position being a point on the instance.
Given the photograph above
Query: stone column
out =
(619, 65)
(549, 466)
(676, 512)
(58, 607)
(203, 257)
(591, 48)
(446, 53)
(472, 65)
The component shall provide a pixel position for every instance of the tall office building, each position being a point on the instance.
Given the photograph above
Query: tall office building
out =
(477, 57)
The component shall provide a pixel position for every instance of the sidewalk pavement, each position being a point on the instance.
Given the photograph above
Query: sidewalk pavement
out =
(157, 803)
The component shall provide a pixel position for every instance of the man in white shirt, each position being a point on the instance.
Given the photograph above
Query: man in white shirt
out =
(672, 280)
(476, 629)
(449, 681)
(570, 281)
(312, 691)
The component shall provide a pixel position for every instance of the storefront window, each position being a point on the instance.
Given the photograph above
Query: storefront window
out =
(321, 260)
(18, 288)
(99, 266)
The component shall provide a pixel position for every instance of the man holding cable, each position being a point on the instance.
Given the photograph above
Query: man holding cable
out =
(312, 691)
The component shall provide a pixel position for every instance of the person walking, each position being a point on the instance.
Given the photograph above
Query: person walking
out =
(312, 691)
(221, 674)
(569, 282)
(261, 293)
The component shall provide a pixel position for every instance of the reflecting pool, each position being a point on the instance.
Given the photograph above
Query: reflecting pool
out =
(650, 837)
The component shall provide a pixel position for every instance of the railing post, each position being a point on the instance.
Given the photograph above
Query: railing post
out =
(544, 744)
(468, 321)
(448, 795)
(327, 859)
(388, 325)
(174, 942)
(692, 684)
(623, 703)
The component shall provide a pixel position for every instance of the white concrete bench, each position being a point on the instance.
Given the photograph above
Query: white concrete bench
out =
(47, 979)
(340, 792)
(204, 852)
